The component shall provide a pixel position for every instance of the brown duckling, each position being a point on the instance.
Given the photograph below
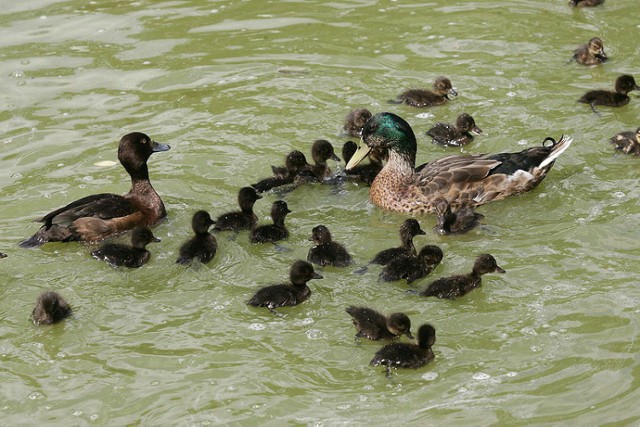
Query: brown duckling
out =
(321, 151)
(458, 222)
(244, 219)
(405, 355)
(624, 84)
(591, 53)
(455, 286)
(326, 251)
(585, 3)
(276, 231)
(627, 142)
(412, 267)
(442, 88)
(50, 308)
(133, 256)
(408, 230)
(203, 245)
(355, 120)
(283, 175)
(364, 172)
(376, 326)
(454, 135)
(287, 294)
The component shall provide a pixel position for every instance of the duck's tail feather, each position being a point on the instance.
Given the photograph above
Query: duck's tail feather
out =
(34, 241)
(556, 149)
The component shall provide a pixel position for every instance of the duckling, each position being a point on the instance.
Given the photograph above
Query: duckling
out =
(287, 294)
(591, 53)
(454, 136)
(463, 181)
(355, 120)
(363, 172)
(283, 175)
(442, 88)
(405, 355)
(412, 267)
(627, 142)
(326, 251)
(133, 256)
(203, 245)
(408, 230)
(376, 326)
(276, 231)
(50, 308)
(624, 84)
(585, 3)
(459, 222)
(456, 286)
(97, 217)
(244, 219)
(321, 151)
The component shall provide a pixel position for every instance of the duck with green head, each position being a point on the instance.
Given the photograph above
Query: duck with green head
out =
(462, 181)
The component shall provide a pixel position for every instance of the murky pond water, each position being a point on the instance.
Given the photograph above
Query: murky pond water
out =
(233, 87)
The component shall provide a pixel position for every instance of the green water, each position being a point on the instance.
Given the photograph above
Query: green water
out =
(233, 87)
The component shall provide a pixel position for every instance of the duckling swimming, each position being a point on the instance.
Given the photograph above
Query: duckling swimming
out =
(454, 135)
(326, 251)
(283, 175)
(363, 172)
(321, 151)
(459, 222)
(355, 120)
(376, 326)
(287, 294)
(97, 217)
(462, 181)
(442, 88)
(408, 230)
(133, 256)
(624, 84)
(585, 3)
(50, 308)
(591, 53)
(276, 231)
(412, 267)
(405, 355)
(2, 255)
(203, 245)
(244, 219)
(456, 286)
(627, 142)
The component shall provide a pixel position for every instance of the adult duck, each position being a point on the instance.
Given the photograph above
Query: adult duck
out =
(97, 217)
(462, 181)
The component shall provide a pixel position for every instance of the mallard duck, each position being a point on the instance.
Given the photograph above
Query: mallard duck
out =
(455, 286)
(627, 142)
(624, 84)
(376, 326)
(585, 3)
(244, 219)
(50, 308)
(276, 231)
(449, 222)
(409, 229)
(133, 256)
(412, 267)
(442, 88)
(454, 135)
(591, 53)
(203, 245)
(363, 172)
(462, 181)
(326, 251)
(405, 355)
(355, 120)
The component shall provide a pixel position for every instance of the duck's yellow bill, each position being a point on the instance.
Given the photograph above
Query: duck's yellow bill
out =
(362, 152)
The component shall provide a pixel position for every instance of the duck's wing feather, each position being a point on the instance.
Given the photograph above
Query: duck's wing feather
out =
(103, 206)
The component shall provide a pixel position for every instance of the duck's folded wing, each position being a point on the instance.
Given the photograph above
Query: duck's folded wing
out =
(103, 206)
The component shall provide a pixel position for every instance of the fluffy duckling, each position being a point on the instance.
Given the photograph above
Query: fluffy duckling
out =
(455, 286)
(585, 3)
(591, 53)
(376, 326)
(454, 135)
(364, 172)
(412, 267)
(408, 230)
(244, 219)
(50, 308)
(321, 151)
(355, 120)
(627, 142)
(458, 222)
(624, 84)
(326, 251)
(442, 88)
(133, 256)
(405, 355)
(276, 231)
(283, 175)
(287, 294)
(203, 245)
